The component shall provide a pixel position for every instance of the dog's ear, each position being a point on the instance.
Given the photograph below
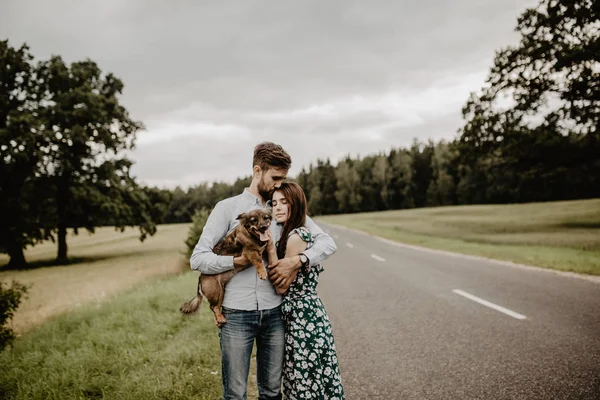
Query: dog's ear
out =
(242, 216)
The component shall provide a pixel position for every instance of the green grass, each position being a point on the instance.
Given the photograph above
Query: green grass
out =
(108, 325)
(559, 235)
(134, 346)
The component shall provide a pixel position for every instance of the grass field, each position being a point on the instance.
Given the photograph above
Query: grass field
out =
(111, 324)
(103, 264)
(558, 235)
(133, 346)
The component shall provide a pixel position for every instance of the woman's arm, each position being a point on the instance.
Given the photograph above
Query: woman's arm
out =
(295, 246)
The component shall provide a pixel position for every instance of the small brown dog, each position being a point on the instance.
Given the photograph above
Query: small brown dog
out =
(249, 238)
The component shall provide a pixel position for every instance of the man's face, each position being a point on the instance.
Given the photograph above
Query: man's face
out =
(270, 180)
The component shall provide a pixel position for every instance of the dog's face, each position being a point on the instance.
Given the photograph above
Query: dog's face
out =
(257, 223)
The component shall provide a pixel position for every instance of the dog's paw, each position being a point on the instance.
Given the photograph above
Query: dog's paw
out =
(262, 275)
(220, 321)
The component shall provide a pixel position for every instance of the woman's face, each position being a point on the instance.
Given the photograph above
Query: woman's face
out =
(281, 211)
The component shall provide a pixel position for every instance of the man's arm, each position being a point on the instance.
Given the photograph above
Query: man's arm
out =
(284, 271)
(323, 247)
(203, 259)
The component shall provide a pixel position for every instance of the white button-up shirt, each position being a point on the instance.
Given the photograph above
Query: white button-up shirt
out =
(246, 291)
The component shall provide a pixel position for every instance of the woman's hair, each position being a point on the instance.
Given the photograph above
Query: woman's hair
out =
(270, 155)
(297, 207)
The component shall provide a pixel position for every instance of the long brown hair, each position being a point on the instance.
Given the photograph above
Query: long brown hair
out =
(297, 207)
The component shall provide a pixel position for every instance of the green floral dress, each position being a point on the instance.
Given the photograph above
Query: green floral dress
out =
(310, 369)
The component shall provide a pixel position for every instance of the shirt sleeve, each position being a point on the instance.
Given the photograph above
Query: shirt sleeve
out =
(203, 259)
(323, 246)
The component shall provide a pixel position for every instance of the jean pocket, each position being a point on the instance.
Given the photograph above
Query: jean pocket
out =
(228, 311)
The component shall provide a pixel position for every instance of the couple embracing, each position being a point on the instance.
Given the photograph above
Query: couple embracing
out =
(283, 314)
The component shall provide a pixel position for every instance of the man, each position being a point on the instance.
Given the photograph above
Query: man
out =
(251, 305)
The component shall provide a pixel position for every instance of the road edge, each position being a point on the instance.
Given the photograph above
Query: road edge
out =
(590, 278)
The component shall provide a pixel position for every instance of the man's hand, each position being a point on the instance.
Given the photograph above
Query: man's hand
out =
(282, 290)
(284, 271)
(241, 261)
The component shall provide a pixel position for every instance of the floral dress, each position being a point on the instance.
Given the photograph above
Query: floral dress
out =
(310, 369)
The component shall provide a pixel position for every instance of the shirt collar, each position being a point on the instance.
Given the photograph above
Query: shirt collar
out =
(253, 199)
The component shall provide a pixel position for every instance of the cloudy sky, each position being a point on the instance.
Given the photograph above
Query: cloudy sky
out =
(211, 79)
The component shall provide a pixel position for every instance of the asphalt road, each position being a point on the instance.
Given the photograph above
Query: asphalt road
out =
(413, 324)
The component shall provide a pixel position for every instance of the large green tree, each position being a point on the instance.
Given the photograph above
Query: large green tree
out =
(533, 133)
(23, 146)
(89, 174)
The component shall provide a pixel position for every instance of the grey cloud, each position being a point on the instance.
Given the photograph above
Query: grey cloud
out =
(265, 54)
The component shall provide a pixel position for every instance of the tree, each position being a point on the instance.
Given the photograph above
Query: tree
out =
(158, 202)
(240, 184)
(381, 181)
(348, 186)
(328, 187)
(88, 175)
(441, 190)
(178, 207)
(422, 172)
(368, 192)
(401, 185)
(321, 179)
(537, 120)
(313, 192)
(23, 144)
(303, 181)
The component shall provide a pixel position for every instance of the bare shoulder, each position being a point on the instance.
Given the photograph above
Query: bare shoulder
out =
(295, 244)
(295, 239)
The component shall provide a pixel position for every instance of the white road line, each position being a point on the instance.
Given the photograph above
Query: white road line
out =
(375, 256)
(350, 245)
(489, 304)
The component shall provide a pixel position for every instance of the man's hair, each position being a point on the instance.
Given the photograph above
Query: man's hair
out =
(270, 155)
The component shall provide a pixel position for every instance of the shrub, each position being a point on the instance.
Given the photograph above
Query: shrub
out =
(10, 298)
(198, 221)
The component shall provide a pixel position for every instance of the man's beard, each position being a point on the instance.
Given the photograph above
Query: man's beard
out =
(265, 193)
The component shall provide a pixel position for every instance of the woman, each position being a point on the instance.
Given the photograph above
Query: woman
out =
(310, 369)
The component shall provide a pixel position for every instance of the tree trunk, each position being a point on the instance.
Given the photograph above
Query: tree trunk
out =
(62, 244)
(17, 257)
(61, 208)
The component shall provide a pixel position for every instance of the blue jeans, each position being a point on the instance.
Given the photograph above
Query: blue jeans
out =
(237, 339)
